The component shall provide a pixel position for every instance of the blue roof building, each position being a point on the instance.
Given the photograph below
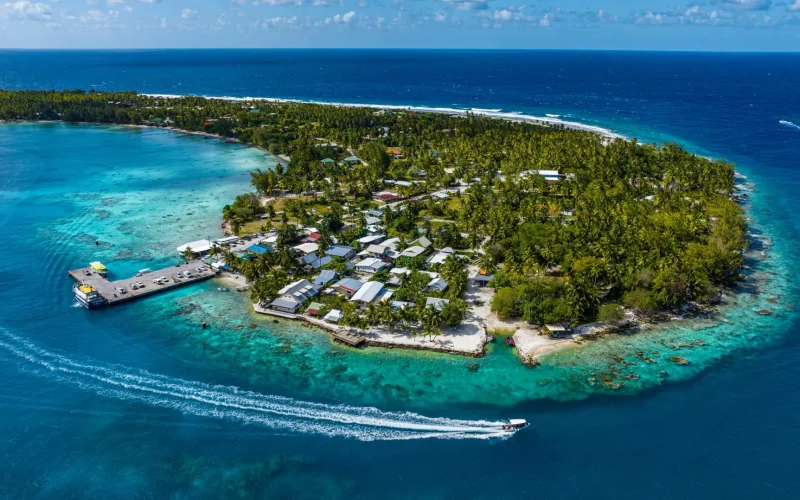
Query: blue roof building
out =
(259, 249)
(341, 251)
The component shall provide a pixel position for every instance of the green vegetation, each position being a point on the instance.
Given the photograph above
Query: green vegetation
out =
(648, 227)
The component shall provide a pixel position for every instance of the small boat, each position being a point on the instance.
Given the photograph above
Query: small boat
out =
(142, 272)
(203, 324)
(99, 268)
(222, 289)
(510, 342)
(88, 296)
(515, 424)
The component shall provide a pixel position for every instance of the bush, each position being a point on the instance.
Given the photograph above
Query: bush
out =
(506, 302)
(641, 300)
(610, 313)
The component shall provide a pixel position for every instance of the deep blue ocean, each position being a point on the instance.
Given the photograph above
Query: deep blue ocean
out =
(136, 401)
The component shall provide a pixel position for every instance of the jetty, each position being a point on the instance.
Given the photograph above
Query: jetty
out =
(111, 290)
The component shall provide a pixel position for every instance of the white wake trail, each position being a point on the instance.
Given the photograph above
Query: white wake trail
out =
(789, 124)
(231, 403)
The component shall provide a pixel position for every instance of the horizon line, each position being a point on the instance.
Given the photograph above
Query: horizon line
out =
(391, 49)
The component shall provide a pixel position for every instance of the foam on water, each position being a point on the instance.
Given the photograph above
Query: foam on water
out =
(493, 113)
(231, 403)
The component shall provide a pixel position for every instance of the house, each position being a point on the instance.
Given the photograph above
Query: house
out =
(437, 285)
(386, 196)
(347, 287)
(421, 242)
(373, 220)
(325, 277)
(376, 251)
(413, 251)
(367, 293)
(198, 247)
(300, 290)
(436, 303)
(306, 248)
(351, 160)
(333, 317)
(556, 330)
(371, 265)
(391, 243)
(398, 304)
(286, 304)
(482, 280)
(442, 195)
(374, 229)
(372, 239)
(259, 249)
(374, 213)
(315, 261)
(327, 162)
(341, 251)
(314, 308)
(439, 257)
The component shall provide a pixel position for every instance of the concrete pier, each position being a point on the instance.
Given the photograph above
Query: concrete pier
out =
(109, 290)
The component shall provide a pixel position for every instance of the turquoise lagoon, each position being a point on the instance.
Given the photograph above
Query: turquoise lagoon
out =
(140, 193)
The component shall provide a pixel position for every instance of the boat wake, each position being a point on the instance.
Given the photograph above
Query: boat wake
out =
(789, 124)
(231, 403)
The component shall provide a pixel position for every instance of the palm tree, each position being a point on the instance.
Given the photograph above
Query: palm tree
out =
(386, 314)
(431, 319)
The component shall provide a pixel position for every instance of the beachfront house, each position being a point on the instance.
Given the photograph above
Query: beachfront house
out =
(556, 331)
(371, 265)
(367, 294)
(482, 280)
(199, 247)
(341, 251)
(314, 308)
(300, 289)
(347, 287)
(286, 304)
(334, 316)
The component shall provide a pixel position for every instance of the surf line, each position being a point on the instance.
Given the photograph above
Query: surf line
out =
(233, 404)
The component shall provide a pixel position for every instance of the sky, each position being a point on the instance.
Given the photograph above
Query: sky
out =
(713, 25)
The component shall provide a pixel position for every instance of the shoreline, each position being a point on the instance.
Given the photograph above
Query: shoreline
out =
(518, 117)
(527, 355)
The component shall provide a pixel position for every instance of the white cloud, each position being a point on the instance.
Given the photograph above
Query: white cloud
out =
(795, 6)
(467, 4)
(277, 22)
(321, 3)
(128, 8)
(115, 2)
(547, 19)
(441, 17)
(747, 4)
(97, 17)
(339, 18)
(278, 2)
(363, 3)
(26, 11)
(188, 14)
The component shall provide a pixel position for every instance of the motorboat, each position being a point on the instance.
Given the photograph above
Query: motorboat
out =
(515, 424)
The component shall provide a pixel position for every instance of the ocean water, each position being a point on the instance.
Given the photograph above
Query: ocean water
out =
(138, 400)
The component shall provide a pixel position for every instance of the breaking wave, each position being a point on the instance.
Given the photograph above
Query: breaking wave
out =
(233, 404)
(494, 113)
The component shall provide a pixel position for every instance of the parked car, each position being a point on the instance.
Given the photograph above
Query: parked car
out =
(140, 284)
(188, 274)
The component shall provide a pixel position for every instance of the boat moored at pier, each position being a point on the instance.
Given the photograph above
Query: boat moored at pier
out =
(88, 296)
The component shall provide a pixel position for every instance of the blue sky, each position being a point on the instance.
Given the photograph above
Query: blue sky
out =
(740, 25)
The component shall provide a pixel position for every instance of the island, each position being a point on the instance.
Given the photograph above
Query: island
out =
(440, 231)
